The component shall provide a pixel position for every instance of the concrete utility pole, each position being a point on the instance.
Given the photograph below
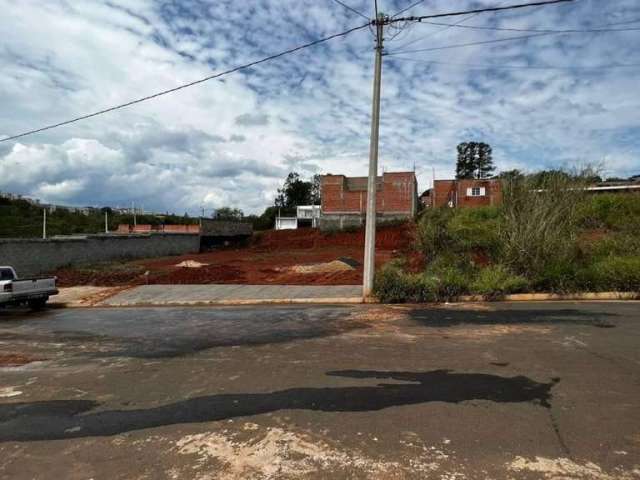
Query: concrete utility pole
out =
(370, 227)
(44, 223)
(106, 222)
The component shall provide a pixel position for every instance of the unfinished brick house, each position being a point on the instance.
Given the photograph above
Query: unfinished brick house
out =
(463, 193)
(344, 199)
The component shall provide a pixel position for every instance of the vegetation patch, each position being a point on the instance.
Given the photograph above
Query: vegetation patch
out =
(548, 235)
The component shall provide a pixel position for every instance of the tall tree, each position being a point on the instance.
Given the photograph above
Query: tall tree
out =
(294, 192)
(474, 160)
(229, 214)
(315, 190)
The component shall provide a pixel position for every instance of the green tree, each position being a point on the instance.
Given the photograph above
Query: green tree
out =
(294, 192)
(229, 214)
(474, 160)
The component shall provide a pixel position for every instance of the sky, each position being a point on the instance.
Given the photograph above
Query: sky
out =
(550, 101)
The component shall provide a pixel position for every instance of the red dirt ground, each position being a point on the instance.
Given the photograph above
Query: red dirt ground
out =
(266, 261)
(15, 360)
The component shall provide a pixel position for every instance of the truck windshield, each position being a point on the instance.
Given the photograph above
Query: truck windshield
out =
(6, 274)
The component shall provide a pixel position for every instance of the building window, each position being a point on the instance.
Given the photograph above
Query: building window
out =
(476, 192)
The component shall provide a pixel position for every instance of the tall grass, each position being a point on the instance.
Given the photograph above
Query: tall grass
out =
(539, 222)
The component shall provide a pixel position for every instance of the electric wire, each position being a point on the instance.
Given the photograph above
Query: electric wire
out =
(352, 9)
(473, 66)
(408, 8)
(471, 44)
(506, 29)
(480, 10)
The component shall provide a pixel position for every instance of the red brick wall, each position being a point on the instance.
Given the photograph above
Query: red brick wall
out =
(456, 191)
(396, 193)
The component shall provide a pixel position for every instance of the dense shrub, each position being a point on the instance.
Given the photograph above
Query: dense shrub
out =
(474, 229)
(613, 273)
(443, 231)
(495, 281)
(539, 223)
(441, 284)
(558, 277)
(611, 211)
(433, 234)
(613, 243)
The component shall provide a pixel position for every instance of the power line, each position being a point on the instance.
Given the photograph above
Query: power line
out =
(534, 67)
(352, 9)
(589, 30)
(479, 10)
(460, 45)
(186, 85)
(408, 8)
(439, 31)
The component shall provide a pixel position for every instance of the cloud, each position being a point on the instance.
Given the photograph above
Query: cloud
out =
(249, 120)
(232, 141)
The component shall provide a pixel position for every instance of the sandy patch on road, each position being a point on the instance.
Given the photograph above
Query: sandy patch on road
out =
(565, 469)
(84, 296)
(276, 453)
(382, 321)
(8, 392)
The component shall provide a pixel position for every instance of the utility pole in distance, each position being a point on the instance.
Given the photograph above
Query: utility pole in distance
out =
(370, 227)
(44, 223)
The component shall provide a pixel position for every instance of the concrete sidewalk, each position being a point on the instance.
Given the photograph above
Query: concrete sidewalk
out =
(234, 295)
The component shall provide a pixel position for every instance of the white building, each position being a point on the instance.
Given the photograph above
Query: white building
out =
(306, 215)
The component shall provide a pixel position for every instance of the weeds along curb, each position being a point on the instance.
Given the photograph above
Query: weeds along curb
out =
(528, 297)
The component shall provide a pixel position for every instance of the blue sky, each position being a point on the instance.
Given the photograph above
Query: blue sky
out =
(232, 141)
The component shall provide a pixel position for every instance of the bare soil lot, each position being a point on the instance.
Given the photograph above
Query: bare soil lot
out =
(293, 257)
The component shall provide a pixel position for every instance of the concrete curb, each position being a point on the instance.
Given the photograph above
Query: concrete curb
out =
(520, 297)
(261, 301)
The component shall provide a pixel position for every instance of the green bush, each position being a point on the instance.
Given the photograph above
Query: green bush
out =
(433, 235)
(613, 273)
(393, 285)
(473, 229)
(495, 281)
(558, 277)
(619, 211)
(614, 243)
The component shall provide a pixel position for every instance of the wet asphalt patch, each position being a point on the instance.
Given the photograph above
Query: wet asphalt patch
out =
(451, 317)
(63, 419)
(169, 332)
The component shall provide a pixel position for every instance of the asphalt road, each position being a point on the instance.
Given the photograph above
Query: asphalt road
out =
(499, 391)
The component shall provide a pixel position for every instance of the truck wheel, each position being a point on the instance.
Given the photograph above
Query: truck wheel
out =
(38, 304)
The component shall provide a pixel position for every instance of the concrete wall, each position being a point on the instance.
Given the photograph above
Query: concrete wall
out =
(36, 256)
(221, 228)
(342, 221)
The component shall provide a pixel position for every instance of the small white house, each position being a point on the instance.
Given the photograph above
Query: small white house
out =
(305, 215)
(286, 223)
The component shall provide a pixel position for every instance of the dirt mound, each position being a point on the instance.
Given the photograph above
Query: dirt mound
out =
(327, 267)
(191, 264)
(203, 275)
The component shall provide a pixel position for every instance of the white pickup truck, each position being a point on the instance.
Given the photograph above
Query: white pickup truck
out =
(34, 291)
